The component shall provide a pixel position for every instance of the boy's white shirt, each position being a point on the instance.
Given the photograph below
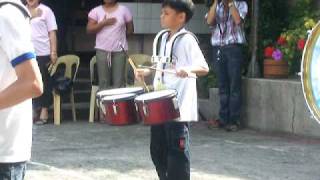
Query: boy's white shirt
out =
(186, 54)
(16, 121)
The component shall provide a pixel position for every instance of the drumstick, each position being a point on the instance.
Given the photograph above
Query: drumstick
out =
(167, 71)
(134, 67)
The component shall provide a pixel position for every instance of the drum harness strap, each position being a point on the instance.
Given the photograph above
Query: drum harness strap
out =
(23, 9)
(169, 46)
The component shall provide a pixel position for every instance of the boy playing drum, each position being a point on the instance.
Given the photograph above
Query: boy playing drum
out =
(170, 141)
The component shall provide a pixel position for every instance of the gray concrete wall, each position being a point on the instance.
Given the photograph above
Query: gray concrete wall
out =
(271, 106)
(146, 17)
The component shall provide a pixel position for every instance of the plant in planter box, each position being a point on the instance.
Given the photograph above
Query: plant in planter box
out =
(301, 18)
(287, 51)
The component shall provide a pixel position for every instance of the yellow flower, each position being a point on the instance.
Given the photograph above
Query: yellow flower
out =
(312, 23)
(288, 38)
(309, 24)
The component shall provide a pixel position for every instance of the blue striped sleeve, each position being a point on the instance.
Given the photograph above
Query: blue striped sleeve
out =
(20, 59)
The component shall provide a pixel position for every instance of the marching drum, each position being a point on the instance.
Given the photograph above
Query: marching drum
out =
(120, 109)
(310, 73)
(110, 92)
(158, 107)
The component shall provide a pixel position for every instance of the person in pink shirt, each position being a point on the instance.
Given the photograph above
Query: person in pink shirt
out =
(111, 22)
(44, 38)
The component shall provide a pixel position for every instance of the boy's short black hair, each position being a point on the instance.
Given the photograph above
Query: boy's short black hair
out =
(185, 6)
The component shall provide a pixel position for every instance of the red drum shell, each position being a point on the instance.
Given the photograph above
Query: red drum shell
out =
(159, 109)
(125, 113)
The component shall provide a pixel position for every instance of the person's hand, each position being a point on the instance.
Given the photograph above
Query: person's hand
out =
(139, 74)
(109, 21)
(215, 3)
(35, 12)
(182, 73)
(53, 57)
(228, 1)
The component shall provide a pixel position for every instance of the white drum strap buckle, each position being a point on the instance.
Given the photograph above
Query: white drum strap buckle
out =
(145, 109)
(115, 108)
(175, 103)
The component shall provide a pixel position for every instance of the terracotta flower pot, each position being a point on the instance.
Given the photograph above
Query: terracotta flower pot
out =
(275, 69)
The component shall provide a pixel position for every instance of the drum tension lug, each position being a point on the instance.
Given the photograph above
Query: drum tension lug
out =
(145, 109)
(115, 109)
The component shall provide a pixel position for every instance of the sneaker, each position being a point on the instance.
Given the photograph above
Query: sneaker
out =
(214, 124)
(232, 128)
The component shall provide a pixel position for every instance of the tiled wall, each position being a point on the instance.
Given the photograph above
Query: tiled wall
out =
(146, 17)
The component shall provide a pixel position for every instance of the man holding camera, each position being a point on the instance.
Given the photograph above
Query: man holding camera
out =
(226, 20)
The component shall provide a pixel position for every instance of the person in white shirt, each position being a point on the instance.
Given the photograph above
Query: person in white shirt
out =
(20, 80)
(170, 141)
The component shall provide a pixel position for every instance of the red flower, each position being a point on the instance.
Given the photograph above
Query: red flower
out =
(282, 40)
(301, 43)
(268, 51)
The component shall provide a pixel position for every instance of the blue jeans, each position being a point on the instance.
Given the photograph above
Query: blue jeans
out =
(228, 62)
(169, 150)
(12, 171)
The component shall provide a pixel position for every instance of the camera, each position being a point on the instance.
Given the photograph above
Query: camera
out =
(210, 2)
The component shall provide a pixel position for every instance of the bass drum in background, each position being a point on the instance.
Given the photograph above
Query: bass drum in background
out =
(310, 72)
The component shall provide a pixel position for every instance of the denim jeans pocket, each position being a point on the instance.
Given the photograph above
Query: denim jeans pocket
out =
(12, 171)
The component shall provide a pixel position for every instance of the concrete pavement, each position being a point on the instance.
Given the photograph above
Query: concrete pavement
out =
(82, 151)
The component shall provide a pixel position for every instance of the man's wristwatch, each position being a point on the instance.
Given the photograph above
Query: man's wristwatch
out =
(231, 4)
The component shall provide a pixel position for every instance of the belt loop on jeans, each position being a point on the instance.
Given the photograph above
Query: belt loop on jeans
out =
(228, 45)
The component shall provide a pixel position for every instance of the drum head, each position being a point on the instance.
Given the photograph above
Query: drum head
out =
(110, 92)
(118, 97)
(156, 95)
(310, 72)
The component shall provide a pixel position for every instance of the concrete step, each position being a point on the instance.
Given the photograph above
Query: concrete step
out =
(84, 72)
(79, 96)
(85, 57)
(82, 84)
(82, 111)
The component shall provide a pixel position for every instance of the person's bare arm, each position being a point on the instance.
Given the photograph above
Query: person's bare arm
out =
(199, 71)
(234, 12)
(94, 27)
(28, 85)
(212, 13)
(140, 73)
(53, 46)
(130, 27)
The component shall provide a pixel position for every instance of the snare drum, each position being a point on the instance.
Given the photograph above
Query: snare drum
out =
(120, 109)
(158, 107)
(110, 92)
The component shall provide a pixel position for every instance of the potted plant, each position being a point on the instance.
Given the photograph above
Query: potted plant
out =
(298, 19)
(284, 57)
(274, 65)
